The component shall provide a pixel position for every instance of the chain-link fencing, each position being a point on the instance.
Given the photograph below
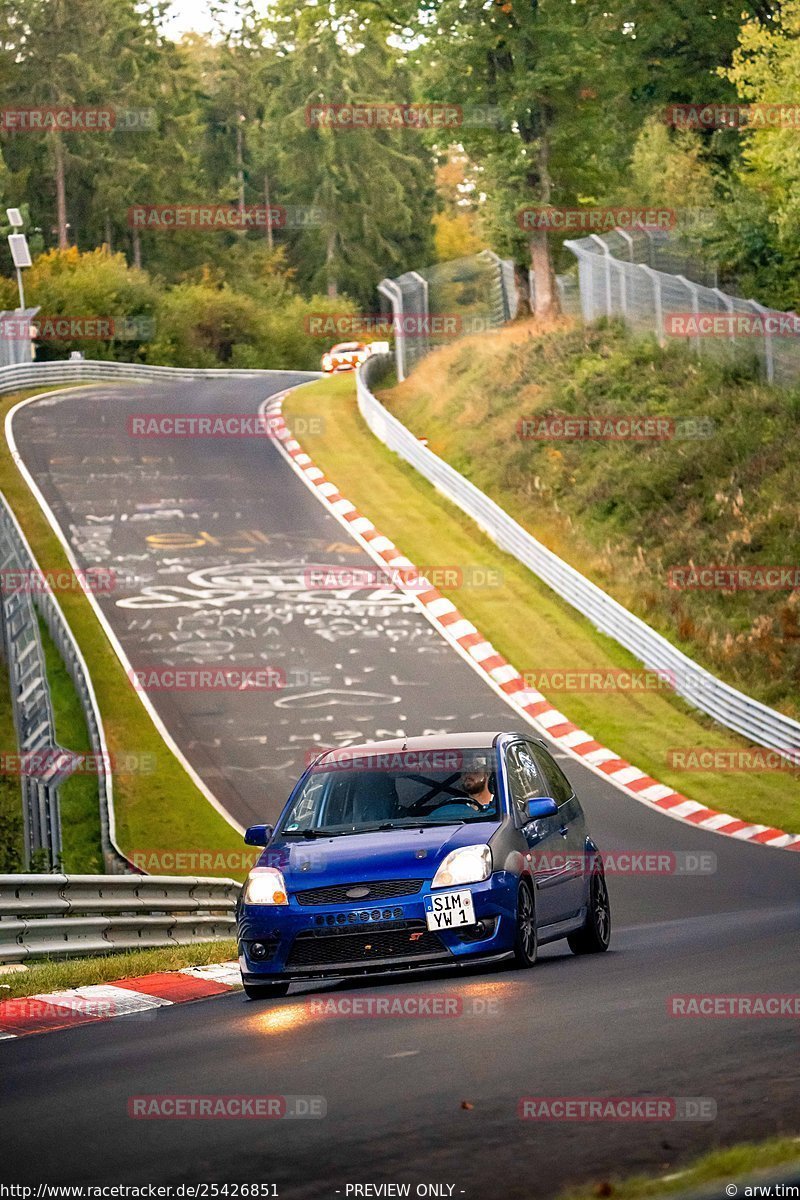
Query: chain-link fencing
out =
(678, 299)
(428, 308)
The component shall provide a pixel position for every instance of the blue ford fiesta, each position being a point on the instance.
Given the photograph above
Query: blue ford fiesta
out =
(433, 851)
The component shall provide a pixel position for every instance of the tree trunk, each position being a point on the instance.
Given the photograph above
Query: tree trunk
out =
(240, 169)
(137, 248)
(61, 192)
(544, 296)
(522, 284)
(267, 204)
(109, 233)
(544, 291)
(333, 289)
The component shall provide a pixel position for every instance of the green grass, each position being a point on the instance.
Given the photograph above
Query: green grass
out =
(526, 622)
(51, 975)
(162, 809)
(719, 1166)
(82, 851)
(626, 512)
(11, 826)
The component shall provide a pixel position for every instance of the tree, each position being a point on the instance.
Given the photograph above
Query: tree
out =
(373, 189)
(74, 55)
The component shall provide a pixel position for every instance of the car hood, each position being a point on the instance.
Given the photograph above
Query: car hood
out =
(385, 854)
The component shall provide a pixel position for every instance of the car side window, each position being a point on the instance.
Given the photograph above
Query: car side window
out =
(558, 786)
(525, 780)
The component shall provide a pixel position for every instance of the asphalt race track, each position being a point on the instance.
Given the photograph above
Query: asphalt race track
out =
(212, 541)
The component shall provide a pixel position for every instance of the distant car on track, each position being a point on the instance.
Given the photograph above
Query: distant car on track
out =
(421, 853)
(345, 356)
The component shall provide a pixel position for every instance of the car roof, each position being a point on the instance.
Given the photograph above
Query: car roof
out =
(348, 346)
(438, 741)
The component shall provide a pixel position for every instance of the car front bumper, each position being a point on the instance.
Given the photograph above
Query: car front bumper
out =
(334, 940)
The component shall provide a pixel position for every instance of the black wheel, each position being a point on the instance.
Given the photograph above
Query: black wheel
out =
(595, 934)
(263, 991)
(526, 943)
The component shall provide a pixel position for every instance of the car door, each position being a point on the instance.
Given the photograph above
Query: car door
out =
(571, 827)
(549, 861)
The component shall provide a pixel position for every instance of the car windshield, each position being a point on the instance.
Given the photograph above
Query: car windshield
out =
(359, 793)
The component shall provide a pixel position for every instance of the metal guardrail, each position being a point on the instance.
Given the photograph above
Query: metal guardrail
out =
(730, 707)
(21, 599)
(63, 915)
(27, 375)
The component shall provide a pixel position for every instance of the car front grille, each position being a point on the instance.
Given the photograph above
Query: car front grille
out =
(382, 889)
(330, 948)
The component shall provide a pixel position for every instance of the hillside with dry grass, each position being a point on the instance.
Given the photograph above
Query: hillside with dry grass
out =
(719, 486)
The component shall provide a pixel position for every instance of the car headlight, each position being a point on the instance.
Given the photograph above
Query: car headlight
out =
(265, 885)
(470, 864)
(326, 362)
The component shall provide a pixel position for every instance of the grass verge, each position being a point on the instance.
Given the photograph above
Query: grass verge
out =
(155, 810)
(718, 1167)
(52, 975)
(11, 823)
(527, 622)
(714, 486)
(81, 848)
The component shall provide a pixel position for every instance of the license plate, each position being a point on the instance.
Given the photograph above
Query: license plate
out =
(449, 910)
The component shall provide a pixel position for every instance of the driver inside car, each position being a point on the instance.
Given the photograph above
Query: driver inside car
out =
(476, 782)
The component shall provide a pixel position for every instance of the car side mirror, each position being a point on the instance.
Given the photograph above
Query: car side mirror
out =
(543, 806)
(258, 835)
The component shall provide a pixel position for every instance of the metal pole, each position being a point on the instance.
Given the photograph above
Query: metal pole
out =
(21, 290)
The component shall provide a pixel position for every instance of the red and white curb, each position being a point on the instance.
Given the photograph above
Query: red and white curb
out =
(501, 674)
(48, 1011)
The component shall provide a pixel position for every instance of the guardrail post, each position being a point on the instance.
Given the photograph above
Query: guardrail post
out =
(607, 257)
(655, 278)
(693, 292)
(769, 354)
(391, 292)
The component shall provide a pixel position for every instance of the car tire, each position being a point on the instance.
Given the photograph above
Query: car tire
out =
(594, 935)
(526, 940)
(263, 991)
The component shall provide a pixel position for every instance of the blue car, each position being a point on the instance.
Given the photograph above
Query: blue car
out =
(421, 853)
